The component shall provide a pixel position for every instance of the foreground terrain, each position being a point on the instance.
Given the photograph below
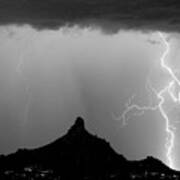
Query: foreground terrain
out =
(83, 156)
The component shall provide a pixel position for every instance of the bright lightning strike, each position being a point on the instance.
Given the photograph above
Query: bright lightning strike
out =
(169, 129)
(169, 88)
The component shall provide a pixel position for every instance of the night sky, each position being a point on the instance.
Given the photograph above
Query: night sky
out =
(60, 59)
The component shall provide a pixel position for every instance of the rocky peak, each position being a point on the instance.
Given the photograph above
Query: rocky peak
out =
(78, 127)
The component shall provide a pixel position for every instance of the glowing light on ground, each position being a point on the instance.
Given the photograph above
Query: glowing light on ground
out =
(169, 88)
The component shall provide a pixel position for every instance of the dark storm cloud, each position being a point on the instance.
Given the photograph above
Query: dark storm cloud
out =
(109, 15)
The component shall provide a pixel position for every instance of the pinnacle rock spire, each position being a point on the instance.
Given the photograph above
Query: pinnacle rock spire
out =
(78, 127)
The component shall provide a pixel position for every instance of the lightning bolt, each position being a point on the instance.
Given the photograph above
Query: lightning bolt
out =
(130, 108)
(20, 71)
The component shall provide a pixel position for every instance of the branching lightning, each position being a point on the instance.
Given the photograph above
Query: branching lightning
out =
(169, 88)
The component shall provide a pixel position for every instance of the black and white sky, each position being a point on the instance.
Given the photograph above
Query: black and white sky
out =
(60, 59)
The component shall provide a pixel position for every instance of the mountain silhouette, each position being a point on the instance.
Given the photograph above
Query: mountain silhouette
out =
(80, 155)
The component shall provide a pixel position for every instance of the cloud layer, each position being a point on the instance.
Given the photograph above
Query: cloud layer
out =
(108, 15)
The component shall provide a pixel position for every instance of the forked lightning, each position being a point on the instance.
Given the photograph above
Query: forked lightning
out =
(170, 129)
